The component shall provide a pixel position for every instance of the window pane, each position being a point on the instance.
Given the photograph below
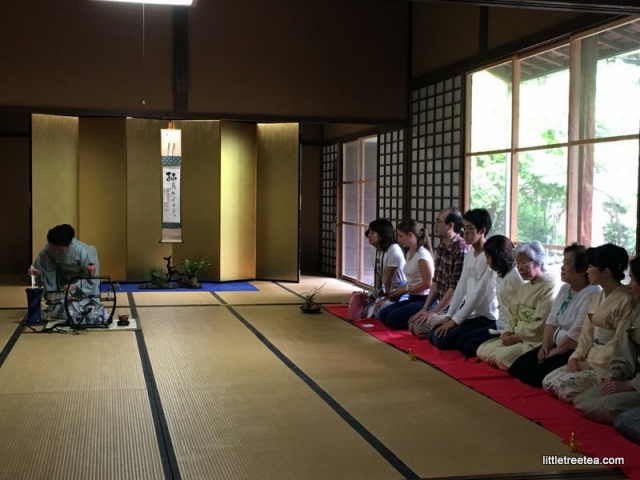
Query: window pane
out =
(544, 98)
(370, 158)
(350, 203)
(489, 188)
(613, 209)
(610, 90)
(350, 162)
(352, 238)
(542, 196)
(370, 192)
(491, 108)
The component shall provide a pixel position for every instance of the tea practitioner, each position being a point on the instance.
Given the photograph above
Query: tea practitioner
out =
(63, 258)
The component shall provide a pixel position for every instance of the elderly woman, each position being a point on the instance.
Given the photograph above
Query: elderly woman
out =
(564, 323)
(621, 390)
(606, 320)
(527, 311)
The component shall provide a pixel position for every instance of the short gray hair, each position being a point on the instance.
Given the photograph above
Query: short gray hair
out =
(534, 251)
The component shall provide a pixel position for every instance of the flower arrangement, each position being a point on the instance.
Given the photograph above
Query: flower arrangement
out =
(189, 270)
(310, 297)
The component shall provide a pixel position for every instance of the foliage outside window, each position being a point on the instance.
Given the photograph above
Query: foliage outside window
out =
(553, 145)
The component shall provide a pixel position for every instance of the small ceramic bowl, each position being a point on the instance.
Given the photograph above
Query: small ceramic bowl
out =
(123, 318)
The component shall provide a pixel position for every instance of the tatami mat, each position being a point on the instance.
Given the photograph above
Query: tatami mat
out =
(236, 412)
(13, 297)
(66, 362)
(76, 435)
(426, 418)
(76, 407)
(9, 321)
(268, 293)
(332, 289)
(143, 299)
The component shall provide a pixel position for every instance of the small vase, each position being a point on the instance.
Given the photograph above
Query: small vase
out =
(315, 308)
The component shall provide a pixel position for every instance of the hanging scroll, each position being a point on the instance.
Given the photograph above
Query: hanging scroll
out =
(171, 149)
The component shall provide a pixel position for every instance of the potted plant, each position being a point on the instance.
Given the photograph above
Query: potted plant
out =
(189, 270)
(310, 305)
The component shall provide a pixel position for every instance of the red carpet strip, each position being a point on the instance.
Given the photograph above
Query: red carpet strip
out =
(596, 440)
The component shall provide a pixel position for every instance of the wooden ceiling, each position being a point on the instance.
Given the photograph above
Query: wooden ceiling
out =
(618, 44)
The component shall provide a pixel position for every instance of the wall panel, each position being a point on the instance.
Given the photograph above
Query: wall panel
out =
(299, 59)
(310, 204)
(144, 198)
(200, 196)
(443, 34)
(54, 177)
(278, 202)
(15, 194)
(102, 191)
(508, 25)
(238, 201)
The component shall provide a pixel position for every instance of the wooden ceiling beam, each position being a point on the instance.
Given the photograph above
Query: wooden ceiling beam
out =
(618, 7)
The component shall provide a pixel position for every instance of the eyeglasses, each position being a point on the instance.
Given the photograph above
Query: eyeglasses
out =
(524, 264)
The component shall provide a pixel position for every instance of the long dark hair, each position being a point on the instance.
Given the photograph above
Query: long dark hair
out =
(422, 236)
(387, 233)
(500, 249)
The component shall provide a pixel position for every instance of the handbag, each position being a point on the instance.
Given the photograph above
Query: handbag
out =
(359, 305)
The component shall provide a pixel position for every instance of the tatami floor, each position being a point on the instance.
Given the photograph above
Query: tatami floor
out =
(243, 385)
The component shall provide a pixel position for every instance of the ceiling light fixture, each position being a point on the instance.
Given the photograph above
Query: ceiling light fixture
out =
(179, 3)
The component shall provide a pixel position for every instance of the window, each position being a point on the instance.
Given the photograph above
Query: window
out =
(359, 191)
(553, 145)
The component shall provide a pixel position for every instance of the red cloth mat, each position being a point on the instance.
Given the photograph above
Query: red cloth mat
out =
(596, 440)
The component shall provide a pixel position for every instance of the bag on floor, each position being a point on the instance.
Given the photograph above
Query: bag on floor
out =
(360, 306)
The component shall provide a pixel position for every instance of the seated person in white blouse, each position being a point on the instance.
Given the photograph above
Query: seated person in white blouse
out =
(564, 324)
(387, 259)
(418, 270)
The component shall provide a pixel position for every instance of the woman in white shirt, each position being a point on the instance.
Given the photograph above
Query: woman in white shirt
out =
(499, 252)
(418, 271)
(387, 259)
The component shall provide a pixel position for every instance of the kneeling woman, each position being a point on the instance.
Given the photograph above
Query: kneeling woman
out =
(564, 323)
(418, 271)
(621, 390)
(608, 314)
(527, 311)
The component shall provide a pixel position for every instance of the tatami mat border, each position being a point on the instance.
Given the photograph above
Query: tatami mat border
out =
(382, 449)
(165, 445)
(12, 341)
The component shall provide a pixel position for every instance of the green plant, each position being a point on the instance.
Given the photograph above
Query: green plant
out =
(190, 269)
(158, 278)
(311, 295)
